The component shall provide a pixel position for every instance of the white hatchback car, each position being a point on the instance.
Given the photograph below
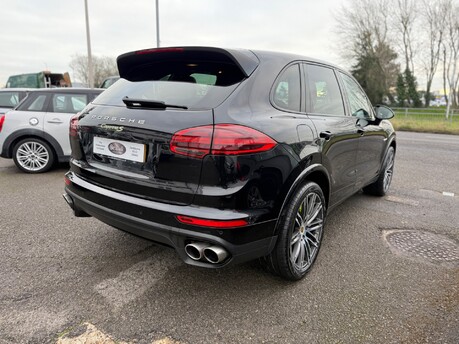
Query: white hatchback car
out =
(36, 133)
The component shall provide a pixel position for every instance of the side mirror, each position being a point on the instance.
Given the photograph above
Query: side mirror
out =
(384, 112)
(361, 113)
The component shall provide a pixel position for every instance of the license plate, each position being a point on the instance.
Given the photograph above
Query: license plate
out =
(119, 149)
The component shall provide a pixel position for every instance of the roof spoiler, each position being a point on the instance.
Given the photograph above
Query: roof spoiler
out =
(245, 60)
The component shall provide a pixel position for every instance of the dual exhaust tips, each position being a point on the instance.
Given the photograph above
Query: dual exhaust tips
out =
(211, 253)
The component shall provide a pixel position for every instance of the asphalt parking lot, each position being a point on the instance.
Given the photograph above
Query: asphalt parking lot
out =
(388, 270)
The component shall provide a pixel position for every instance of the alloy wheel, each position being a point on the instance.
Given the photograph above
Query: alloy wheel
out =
(389, 171)
(307, 232)
(32, 156)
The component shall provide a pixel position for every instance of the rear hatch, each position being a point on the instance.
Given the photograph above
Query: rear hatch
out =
(122, 140)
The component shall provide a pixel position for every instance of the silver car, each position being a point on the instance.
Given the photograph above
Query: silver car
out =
(36, 133)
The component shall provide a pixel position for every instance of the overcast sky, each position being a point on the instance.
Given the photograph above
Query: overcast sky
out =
(44, 34)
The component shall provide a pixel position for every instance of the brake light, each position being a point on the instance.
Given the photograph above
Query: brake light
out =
(195, 221)
(221, 139)
(2, 120)
(73, 131)
(159, 50)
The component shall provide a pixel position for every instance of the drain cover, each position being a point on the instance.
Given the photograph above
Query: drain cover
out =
(429, 247)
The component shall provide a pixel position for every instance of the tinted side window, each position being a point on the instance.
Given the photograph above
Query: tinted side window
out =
(37, 104)
(358, 101)
(287, 90)
(324, 92)
(68, 103)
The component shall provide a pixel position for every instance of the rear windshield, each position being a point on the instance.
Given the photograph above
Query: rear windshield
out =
(196, 91)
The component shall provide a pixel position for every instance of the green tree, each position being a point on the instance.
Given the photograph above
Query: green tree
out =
(412, 93)
(369, 75)
(376, 67)
(406, 90)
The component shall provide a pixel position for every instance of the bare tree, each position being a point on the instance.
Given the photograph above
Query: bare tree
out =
(432, 23)
(405, 18)
(451, 49)
(363, 27)
(360, 18)
(103, 67)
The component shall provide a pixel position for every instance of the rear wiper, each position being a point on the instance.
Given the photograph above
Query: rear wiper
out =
(149, 104)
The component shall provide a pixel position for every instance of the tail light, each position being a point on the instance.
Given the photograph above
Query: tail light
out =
(221, 139)
(193, 142)
(2, 120)
(74, 125)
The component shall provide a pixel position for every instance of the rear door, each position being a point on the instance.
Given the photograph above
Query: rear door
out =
(338, 133)
(62, 106)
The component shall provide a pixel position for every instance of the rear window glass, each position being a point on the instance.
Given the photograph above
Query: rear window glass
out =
(9, 99)
(195, 91)
(287, 89)
(198, 80)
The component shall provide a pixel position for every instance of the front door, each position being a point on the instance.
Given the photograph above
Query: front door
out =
(372, 137)
(57, 120)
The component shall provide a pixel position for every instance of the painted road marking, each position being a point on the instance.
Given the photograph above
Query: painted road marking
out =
(92, 335)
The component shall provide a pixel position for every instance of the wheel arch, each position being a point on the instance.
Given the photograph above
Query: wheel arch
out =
(14, 138)
(315, 173)
(392, 143)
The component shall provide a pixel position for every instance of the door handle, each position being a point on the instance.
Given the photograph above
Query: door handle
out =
(325, 135)
(55, 120)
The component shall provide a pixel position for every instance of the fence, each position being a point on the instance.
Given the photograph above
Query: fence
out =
(426, 114)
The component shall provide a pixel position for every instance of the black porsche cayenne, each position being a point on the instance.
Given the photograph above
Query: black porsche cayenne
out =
(228, 155)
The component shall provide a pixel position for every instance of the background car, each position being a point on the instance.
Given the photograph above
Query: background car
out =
(11, 97)
(36, 133)
(109, 81)
(42, 79)
(228, 155)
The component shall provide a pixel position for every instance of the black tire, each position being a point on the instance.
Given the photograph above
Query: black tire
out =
(32, 155)
(299, 242)
(382, 184)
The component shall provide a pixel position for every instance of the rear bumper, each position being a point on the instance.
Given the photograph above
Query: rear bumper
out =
(157, 222)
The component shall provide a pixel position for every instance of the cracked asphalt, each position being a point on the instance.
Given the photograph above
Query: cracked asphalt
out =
(62, 277)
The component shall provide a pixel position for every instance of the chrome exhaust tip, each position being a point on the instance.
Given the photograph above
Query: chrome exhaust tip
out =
(68, 199)
(215, 254)
(195, 250)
